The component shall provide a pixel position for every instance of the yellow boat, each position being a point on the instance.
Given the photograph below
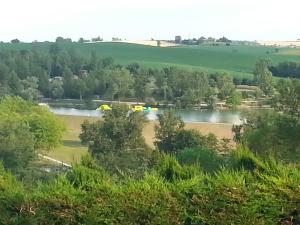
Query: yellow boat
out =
(104, 108)
(138, 108)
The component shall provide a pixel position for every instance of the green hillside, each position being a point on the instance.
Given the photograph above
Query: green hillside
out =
(237, 60)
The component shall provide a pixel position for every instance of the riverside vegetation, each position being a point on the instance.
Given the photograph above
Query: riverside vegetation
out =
(86, 71)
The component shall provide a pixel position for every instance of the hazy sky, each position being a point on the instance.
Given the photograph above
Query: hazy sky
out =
(41, 20)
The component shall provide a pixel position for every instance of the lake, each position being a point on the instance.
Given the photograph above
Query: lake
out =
(221, 116)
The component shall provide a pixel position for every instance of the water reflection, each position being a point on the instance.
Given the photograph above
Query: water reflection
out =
(187, 115)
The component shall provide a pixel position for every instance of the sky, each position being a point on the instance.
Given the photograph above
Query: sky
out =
(42, 20)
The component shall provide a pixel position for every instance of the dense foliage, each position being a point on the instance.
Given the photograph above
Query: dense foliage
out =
(25, 128)
(286, 69)
(264, 193)
(117, 141)
(61, 72)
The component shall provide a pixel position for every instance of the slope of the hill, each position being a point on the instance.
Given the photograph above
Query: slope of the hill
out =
(238, 60)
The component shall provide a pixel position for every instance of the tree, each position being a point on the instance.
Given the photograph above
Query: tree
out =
(211, 98)
(225, 86)
(80, 88)
(165, 132)
(120, 131)
(15, 41)
(56, 89)
(271, 133)
(15, 84)
(287, 99)
(4, 72)
(16, 142)
(119, 83)
(45, 127)
(200, 85)
(263, 76)
(30, 91)
(234, 99)
(185, 139)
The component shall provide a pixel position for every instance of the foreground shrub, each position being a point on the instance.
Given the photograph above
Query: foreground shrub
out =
(244, 159)
(170, 169)
(208, 160)
(172, 194)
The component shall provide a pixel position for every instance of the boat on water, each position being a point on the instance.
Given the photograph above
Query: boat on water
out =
(136, 108)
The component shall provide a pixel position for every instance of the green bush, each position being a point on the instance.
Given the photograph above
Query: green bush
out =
(245, 159)
(208, 160)
(171, 194)
(170, 169)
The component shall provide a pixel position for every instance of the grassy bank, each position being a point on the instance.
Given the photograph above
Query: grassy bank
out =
(72, 150)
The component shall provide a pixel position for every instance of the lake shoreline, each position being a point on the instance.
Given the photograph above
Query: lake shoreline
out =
(221, 130)
(188, 116)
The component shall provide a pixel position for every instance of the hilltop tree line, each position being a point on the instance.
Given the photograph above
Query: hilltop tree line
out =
(286, 69)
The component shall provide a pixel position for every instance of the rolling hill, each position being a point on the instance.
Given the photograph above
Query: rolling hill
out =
(238, 60)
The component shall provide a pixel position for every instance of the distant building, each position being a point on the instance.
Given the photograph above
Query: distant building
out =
(56, 78)
(84, 73)
(178, 39)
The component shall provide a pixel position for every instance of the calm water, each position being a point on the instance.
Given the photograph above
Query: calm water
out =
(187, 115)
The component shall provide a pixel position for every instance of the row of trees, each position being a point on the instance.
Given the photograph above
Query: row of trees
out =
(286, 69)
(65, 73)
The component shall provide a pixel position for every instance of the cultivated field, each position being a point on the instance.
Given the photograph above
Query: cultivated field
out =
(72, 150)
(238, 60)
(280, 43)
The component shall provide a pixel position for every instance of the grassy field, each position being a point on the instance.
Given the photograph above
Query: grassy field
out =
(72, 150)
(238, 60)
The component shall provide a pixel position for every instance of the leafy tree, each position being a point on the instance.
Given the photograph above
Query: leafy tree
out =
(288, 98)
(107, 62)
(16, 142)
(140, 86)
(121, 130)
(15, 84)
(211, 98)
(4, 90)
(4, 72)
(225, 86)
(234, 99)
(200, 85)
(263, 76)
(80, 88)
(56, 89)
(165, 132)
(119, 83)
(30, 91)
(185, 139)
(286, 69)
(15, 41)
(46, 129)
(271, 133)
(43, 84)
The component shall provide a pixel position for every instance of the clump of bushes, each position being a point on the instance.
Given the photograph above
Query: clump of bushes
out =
(242, 190)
